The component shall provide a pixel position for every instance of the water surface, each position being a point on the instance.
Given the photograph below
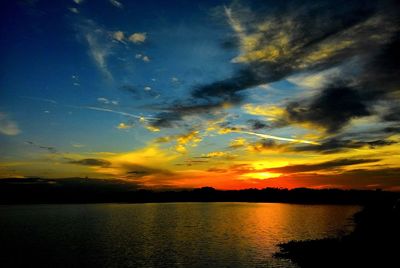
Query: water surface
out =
(162, 235)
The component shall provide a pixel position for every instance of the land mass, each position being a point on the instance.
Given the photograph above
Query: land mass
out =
(79, 190)
(373, 243)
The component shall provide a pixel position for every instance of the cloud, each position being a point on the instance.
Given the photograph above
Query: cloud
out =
(99, 44)
(266, 145)
(328, 165)
(140, 171)
(173, 114)
(139, 91)
(317, 40)
(138, 38)
(332, 109)
(50, 149)
(315, 80)
(74, 10)
(116, 3)
(256, 124)
(119, 36)
(338, 144)
(189, 139)
(78, 145)
(125, 126)
(238, 142)
(103, 100)
(7, 126)
(78, 1)
(95, 162)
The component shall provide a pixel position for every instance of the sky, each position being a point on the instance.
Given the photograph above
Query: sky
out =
(184, 94)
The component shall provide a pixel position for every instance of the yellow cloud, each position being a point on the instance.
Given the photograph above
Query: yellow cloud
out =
(238, 142)
(216, 154)
(260, 175)
(314, 80)
(325, 51)
(190, 139)
(272, 112)
(152, 128)
(138, 38)
(124, 126)
(119, 36)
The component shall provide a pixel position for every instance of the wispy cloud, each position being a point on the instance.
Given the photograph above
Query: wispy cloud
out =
(116, 3)
(99, 43)
(50, 149)
(39, 99)
(7, 126)
(99, 52)
(103, 100)
(74, 10)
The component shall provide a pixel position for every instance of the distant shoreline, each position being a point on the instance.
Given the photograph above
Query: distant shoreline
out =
(83, 191)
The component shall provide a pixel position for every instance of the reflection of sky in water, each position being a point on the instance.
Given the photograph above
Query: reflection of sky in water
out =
(166, 235)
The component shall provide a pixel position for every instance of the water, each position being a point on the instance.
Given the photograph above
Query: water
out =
(162, 235)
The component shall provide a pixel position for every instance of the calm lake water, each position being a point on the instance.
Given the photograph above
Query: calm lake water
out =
(162, 235)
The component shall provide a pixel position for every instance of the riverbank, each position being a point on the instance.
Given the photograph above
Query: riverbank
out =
(374, 242)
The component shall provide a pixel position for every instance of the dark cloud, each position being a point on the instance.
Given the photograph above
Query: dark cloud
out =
(91, 162)
(135, 171)
(392, 129)
(334, 145)
(334, 164)
(309, 38)
(340, 102)
(256, 124)
(267, 145)
(50, 149)
(332, 109)
(173, 114)
(393, 114)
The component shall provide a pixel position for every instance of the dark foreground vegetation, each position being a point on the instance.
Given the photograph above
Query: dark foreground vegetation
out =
(375, 242)
(78, 190)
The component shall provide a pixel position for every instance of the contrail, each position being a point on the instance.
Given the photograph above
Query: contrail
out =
(266, 136)
(142, 118)
(39, 99)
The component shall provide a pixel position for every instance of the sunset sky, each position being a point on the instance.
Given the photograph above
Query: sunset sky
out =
(182, 94)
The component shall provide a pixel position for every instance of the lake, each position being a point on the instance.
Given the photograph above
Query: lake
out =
(162, 234)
